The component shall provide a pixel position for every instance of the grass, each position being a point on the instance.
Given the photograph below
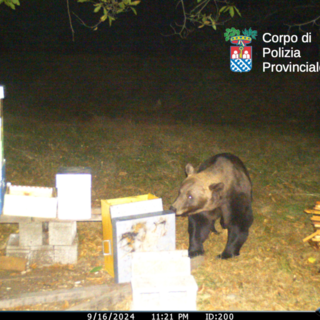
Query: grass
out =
(272, 272)
(146, 150)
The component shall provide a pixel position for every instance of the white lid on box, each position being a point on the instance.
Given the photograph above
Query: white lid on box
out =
(1, 92)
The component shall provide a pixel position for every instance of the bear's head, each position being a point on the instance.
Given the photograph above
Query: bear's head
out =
(199, 192)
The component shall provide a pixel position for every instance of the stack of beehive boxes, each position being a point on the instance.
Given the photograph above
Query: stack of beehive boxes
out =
(60, 243)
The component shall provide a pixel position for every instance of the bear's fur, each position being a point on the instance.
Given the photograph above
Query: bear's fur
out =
(221, 188)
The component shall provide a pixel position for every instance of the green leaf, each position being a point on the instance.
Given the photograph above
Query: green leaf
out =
(213, 22)
(97, 8)
(231, 10)
(134, 10)
(238, 12)
(222, 9)
(110, 20)
(204, 18)
(104, 17)
(96, 269)
(312, 260)
(135, 3)
(11, 5)
(16, 2)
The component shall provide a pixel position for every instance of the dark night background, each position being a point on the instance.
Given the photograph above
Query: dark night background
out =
(37, 30)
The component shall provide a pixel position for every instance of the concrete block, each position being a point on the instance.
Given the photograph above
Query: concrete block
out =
(62, 233)
(30, 233)
(67, 254)
(14, 250)
(41, 255)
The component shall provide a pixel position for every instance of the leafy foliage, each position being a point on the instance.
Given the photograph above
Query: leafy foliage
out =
(198, 13)
(110, 9)
(231, 9)
(203, 13)
(11, 3)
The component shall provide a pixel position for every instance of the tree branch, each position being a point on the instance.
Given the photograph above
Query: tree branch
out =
(70, 20)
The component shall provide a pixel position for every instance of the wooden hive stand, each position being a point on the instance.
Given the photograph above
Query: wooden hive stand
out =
(314, 238)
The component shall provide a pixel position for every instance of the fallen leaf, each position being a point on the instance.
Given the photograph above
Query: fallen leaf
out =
(311, 260)
(96, 269)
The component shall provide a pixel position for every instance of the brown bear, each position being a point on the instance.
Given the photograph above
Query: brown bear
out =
(221, 188)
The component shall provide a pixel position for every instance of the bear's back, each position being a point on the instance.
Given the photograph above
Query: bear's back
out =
(236, 162)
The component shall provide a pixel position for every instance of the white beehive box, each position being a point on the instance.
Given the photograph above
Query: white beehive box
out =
(161, 263)
(172, 293)
(28, 201)
(162, 281)
(74, 193)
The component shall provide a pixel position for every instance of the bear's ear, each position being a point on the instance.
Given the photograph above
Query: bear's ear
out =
(189, 169)
(216, 187)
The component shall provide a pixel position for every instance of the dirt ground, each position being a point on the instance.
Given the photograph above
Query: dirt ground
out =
(56, 277)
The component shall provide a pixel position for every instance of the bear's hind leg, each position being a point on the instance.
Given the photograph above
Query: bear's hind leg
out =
(199, 229)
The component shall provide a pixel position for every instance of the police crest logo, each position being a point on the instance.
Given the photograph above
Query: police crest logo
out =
(240, 52)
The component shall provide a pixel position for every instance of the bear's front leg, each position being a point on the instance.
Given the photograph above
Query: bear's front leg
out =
(236, 238)
(199, 229)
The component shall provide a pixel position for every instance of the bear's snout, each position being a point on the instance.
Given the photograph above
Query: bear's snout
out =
(172, 208)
